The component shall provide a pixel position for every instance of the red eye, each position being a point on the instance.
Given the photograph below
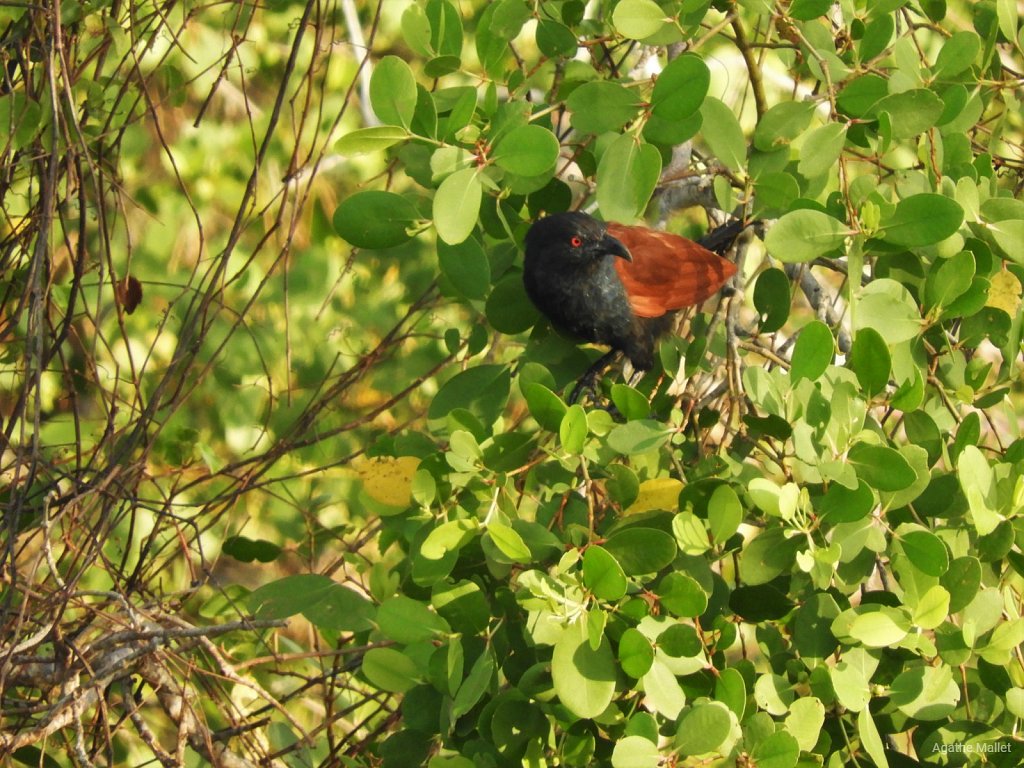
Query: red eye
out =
(576, 241)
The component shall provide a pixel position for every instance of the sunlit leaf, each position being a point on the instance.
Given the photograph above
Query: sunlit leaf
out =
(584, 678)
(805, 234)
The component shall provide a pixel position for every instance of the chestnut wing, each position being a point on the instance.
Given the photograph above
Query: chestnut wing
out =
(668, 272)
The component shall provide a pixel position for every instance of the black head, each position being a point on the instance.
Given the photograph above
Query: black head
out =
(571, 238)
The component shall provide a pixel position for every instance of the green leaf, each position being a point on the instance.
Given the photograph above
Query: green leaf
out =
(445, 27)
(925, 693)
(704, 728)
(375, 139)
(247, 550)
(879, 628)
(731, 690)
(509, 542)
(844, 505)
(475, 685)
(922, 219)
(725, 513)
(887, 306)
(659, 130)
(638, 436)
(393, 91)
(759, 603)
(405, 620)
(821, 150)
(33, 756)
(805, 234)
(631, 403)
(663, 692)
(340, 609)
(851, 686)
(1009, 236)
(878, 36)
(773, 693)
(805, 720)
(555, 39)
(449, 536)
(813, 353)
(439, 66)
(858, 96)
(926, 551)
(463, 605)
(779, 750)
(626, 176)
(602, 107)
(772, 299)
(288, 596)
(680, 641)
(881, 467)
(636, 654)
(529, 150)
(483, 390)
(977, 481)
(457, 205)
(1008, 17)
(638, 19)
(680, 88)
(466, 266)
(416, 30)
(951, 280)
(805, 10)
(641, 550)
(390, 670)
(690, 533)
(573, 430)
(962, 580)
(1015, 701)
(622, 485)
(509, 18)
(635, 752)
(812, 635)
(682, 595)
(545, 406)
(957, 54)
(766, 556)
(782, 123)
(375, 219)
(508, 309)
(722, 133)
(584, 678)
(911, 112)
(922, 431)
(871, 361)
(1002, 645)
(870, 740)
(932, 608)
(603, 575)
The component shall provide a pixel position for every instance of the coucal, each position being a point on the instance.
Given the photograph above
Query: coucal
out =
(620, 285)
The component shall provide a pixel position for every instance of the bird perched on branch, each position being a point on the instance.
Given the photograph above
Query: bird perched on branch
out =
(620, 285)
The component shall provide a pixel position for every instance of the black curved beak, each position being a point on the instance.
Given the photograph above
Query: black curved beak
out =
(615, 247)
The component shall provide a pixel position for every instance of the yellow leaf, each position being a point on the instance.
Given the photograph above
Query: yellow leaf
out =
(1004, 293)
(660, 493)
(388, 479)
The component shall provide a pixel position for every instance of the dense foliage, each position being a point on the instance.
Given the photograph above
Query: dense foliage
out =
(290, 475)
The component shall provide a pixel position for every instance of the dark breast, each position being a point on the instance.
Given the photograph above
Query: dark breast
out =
(591, 303)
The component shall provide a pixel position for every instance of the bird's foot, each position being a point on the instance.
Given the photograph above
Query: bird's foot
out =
(588, 381)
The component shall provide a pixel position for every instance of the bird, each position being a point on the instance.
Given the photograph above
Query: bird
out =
(619, 285)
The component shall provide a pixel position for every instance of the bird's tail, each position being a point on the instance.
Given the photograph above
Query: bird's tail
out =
(720, 239)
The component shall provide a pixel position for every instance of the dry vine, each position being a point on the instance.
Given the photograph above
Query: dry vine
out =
(98, 651)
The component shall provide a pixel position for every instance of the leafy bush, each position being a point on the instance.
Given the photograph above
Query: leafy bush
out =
(807, 555)
(794, 543)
